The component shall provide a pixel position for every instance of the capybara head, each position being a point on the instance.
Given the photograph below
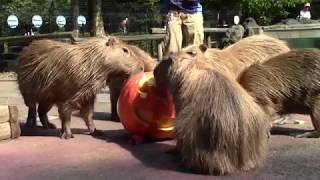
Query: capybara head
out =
(239, 56)
(148, 61)
(121, 55)
(189, 56)
(162, 71)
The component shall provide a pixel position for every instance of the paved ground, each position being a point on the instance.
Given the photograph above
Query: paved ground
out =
(43, 155)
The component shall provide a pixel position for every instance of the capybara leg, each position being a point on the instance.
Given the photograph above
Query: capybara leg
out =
(312, 134)
(43, 109)
(315, 118)
(115, 87)
(86, 114)
(114, 113)
(32, 116)
(65, 116)
(269, 130)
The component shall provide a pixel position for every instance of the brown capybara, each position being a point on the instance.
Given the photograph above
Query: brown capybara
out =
(242, 54)
(288, 83)
(116, 80)
(69, 76)
(219, 127)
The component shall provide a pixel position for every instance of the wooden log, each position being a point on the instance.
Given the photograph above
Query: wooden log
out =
(9, 123)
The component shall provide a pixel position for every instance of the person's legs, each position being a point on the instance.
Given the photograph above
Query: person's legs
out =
(173, 38)
(192, 29)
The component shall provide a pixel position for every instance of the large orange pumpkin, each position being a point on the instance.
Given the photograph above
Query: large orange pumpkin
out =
(146, 110)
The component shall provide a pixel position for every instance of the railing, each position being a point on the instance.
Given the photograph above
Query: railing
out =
(10, 49)
(157, 36)
(156, 39)
(11, 39)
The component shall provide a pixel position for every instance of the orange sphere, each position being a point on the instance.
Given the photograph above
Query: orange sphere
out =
(146, 110)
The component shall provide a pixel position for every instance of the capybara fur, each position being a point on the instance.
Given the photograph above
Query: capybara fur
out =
(288, 83)
(242, 54)
(219, 128)
(116, 80)
(69, 76)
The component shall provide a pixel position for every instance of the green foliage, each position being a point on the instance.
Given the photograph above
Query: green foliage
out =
(25, 9)
(143, 14)
(264, 11)
(220, 4)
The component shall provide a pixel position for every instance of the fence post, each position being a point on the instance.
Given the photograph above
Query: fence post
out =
(209, 41)
(5, 48)
(160, 50)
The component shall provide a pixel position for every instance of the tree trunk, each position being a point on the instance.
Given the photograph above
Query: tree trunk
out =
(75, 14)
(96, 18)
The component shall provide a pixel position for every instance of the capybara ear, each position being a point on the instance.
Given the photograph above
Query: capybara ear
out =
(203, 47)
(111, 41)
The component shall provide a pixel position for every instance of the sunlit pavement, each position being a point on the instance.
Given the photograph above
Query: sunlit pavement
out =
(42, 155)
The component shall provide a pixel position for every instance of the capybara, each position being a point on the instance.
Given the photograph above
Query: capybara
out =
(117, 80)
(69, 76)
(242, 54)
(219, 127)
(288, 83)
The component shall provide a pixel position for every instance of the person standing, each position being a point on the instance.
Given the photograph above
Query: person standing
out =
(124, 25)
(305, 12)
(184, 25)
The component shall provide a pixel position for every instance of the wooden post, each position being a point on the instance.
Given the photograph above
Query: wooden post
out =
(9, 123)
(160, 50)
(209, 41)
(75, 14)
(260, 30)
(96, 18)
(5, 48)
(151, 48)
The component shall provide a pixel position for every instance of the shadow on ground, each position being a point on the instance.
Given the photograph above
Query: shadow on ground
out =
(152, 154)
(98, 116)
(40, 131)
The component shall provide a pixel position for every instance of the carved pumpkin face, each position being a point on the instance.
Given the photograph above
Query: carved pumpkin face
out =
(146, 110)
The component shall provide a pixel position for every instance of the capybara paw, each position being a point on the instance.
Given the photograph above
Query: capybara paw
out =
(312, 134)
(136, 139)
(65, 135)
(96, 133)
(268, 134)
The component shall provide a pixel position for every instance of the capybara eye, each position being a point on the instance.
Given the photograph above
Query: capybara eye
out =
(203, 47)
(192, 53)
(126, 50)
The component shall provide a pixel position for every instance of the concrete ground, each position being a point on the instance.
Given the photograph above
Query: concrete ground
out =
(41, 154)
